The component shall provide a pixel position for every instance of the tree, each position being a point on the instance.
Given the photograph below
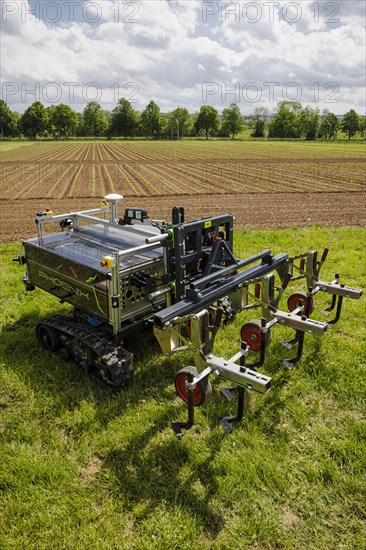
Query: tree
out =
(362, 127)
(179, 123)
(309, 123)
(207, 120)
(232, 121)
(124, 119)
(151, 120)
(350, 123)
(16, 124)
(50, 130)
(329, 125)
(108, 117)
(64, 120)
(33, 122)
(286, 122)
(8, 121)
(94, 121)
(80, 130)
(259, 121)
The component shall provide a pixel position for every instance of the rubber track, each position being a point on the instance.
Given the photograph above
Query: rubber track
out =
(116, 359)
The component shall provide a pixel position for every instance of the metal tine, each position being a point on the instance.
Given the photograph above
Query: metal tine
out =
(290, 363)
(285, 284)
(228, 392)
(300, 336)
(330, 308)
(338, 311)
(227, 421)
(290, 343)
(322, 260)
(177, 427)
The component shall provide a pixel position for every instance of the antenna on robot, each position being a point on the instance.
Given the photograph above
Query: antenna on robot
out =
(113, 200)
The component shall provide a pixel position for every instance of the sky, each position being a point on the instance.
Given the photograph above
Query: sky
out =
(184, 53)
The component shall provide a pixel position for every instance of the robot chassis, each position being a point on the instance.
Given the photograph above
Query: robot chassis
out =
(182, 279)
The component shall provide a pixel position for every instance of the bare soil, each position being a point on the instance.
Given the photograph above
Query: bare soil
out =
(252, 210)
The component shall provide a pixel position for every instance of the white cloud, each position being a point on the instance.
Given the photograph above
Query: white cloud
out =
(171, 51)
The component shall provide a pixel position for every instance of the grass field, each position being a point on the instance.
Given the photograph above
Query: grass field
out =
(84, 469)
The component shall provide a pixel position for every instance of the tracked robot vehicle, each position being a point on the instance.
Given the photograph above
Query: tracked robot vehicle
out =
(180, 278)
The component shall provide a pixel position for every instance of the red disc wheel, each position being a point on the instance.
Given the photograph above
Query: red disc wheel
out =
(201, 392)
(300, 298)
(252, 335)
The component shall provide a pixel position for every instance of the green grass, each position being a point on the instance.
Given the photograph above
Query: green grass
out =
(14, 144)
(84, 469)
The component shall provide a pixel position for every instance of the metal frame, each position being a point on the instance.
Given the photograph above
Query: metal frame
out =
(178, 257)
(114, 285)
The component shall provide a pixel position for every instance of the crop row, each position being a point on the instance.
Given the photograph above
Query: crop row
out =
(137, 151)
(60, 180)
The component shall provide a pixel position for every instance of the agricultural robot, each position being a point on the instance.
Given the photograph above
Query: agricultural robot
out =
(182, 280)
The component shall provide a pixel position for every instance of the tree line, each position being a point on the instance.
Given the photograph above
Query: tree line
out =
(290, 121)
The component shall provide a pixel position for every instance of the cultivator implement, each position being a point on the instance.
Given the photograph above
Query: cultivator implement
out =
(255, 336)
(181, 278)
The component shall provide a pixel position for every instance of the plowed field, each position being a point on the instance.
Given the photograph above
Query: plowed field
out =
(263, 184)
